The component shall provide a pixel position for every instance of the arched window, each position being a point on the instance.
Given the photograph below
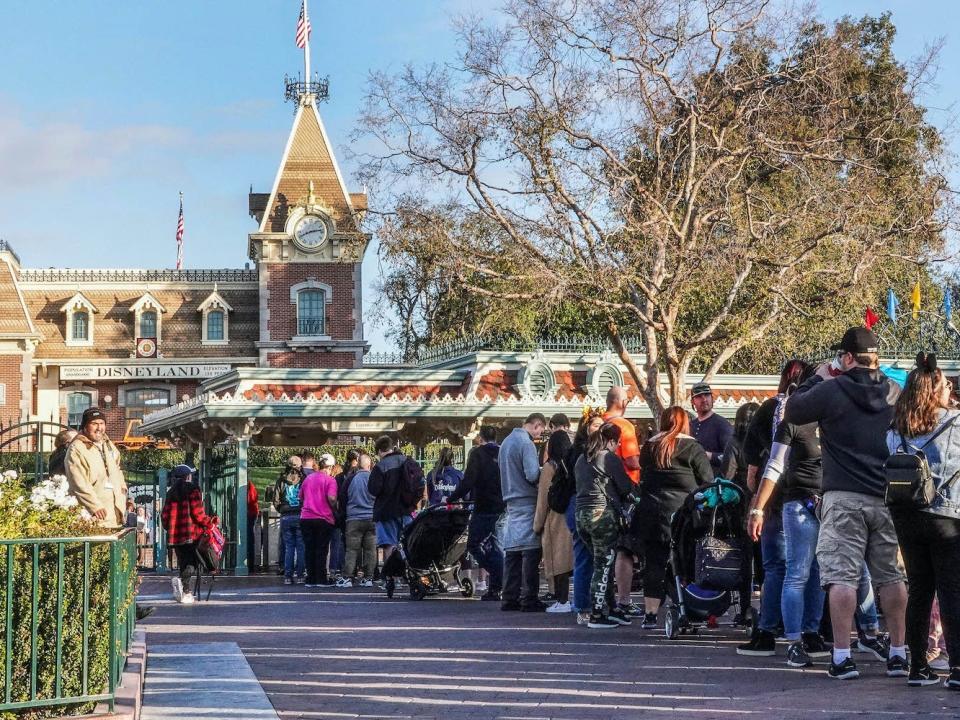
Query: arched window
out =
(80, 326)
(215, 325)
(311, 312)
(148, 324)
(140, 401)
(77, 402)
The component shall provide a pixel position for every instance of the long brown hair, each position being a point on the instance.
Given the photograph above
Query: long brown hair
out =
(916, 412)
(597, 441)
(674, 422)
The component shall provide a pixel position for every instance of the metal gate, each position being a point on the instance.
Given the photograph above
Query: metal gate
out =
(144, 489)
(26, 447)
(220, 492)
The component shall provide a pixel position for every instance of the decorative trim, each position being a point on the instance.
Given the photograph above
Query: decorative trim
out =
(110, 276)
(604, 365)
(312, 285)
(214, 302)
(147, 303)
(535, 367)
(78, 303)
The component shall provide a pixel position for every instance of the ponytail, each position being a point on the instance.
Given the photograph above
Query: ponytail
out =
(674, 422)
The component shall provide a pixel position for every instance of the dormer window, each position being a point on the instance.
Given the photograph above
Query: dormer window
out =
(78, 323)
(214, 319)
(311, 299)
(147, 317)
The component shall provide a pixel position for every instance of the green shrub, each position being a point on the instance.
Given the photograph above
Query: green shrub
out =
(48, 511)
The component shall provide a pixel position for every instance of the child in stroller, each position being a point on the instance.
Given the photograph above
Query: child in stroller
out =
(710, 560)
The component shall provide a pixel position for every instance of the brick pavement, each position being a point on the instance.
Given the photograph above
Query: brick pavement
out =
(355, 654)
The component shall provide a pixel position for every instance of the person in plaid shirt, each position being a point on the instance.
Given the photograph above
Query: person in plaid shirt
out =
(185, 521)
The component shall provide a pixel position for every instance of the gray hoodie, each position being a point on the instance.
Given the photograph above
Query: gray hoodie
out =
(519, 468)
(943, 455)
(854, 412)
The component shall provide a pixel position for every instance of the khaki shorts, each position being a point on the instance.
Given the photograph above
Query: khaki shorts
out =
(855, 527)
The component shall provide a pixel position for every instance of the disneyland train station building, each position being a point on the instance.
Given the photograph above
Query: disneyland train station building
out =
(273, 354)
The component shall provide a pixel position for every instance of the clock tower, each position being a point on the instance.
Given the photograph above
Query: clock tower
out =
(308, 248)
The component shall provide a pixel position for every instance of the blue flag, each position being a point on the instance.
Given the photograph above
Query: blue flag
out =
(892, 305)
(947, 303)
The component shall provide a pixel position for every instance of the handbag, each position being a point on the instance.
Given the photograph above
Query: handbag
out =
(910, 484)
(718, 563)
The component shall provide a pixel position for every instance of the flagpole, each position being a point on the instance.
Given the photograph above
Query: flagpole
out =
(306, 47)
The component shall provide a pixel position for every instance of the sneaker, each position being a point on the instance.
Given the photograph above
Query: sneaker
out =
(762, 644)
(177, 585)
(619, 617)
(187, 599)
(601, 622)
(814, 645)
(559, 607)
(923, 676)
(326, 583)
(366, 583)
(797, 655)
(938, 661)
(631, 609)
(953, 679)
(583, 618)
(534, 607)
(847, 670)
(344, 583)
(490, 595)
(649, 621)
(510, 606)
(288, 581)
(480, 587)
(877, 646)
(897, 667)
(299, 580)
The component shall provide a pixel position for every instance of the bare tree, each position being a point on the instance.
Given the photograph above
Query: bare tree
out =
(696, 171)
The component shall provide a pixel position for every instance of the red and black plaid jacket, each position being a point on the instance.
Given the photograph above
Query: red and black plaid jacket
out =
(185, 519)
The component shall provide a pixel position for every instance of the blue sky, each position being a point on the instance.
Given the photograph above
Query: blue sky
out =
(109, 109)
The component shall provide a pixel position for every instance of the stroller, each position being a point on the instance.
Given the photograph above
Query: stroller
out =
(710, 560)
(430, 551)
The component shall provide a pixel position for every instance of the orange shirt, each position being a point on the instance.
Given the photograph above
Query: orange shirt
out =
(629, 447)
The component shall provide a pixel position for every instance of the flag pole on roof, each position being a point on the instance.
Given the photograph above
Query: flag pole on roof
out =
(180, 235)
(303, 39)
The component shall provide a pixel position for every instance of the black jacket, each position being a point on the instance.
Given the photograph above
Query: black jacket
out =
(481, 481)
(663, 490)
(386, 482)
(854, 412)
(290, 477)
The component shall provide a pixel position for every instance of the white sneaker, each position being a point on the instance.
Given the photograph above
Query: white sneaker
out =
(480, 587)
(938, 661)
(187, 599)
(344, 583)
(559, 607)
(366, 583)
(177, 585)
(583, 618)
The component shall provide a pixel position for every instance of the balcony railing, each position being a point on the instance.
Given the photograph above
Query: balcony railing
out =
(310, 327)
(226, 275)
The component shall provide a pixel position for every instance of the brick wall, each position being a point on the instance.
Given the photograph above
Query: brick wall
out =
(339, 311)
(11, 375)
(311, 359)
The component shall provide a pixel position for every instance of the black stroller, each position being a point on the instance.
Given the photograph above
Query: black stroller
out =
(430, 551)
(710, 560)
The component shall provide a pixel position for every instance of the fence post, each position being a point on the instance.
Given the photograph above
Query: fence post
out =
(240, 564)
(159, 537)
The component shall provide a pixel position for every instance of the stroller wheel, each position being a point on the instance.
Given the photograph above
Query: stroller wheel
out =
(466, 587)
(391, 586)
(671, 624)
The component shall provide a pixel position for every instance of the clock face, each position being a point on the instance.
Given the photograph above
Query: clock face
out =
(311, 232)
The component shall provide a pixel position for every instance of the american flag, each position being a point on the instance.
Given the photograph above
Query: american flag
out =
(180, 236)
(303, 28)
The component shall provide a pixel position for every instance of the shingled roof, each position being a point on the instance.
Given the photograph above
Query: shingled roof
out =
(14, 317)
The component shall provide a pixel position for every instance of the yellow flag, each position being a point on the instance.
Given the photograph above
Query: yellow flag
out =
(915, 300)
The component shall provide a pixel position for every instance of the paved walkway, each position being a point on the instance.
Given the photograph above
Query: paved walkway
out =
(355, 654)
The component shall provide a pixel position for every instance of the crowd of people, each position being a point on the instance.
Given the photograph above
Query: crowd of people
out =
(851, 480)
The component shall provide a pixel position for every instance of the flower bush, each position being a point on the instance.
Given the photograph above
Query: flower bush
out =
(47, 510)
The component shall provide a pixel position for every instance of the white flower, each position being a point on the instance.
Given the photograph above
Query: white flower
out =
(18, 501)
(8, 475)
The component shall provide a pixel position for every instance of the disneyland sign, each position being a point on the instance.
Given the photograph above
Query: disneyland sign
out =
(141, 372)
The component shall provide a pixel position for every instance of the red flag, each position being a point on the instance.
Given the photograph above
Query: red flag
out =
(870, 319)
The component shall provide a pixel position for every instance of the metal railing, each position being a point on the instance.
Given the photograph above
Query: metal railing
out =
(54, 594)
(225, 275)
(310, 327)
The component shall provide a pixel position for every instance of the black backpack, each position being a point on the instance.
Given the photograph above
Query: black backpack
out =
(910, 484)
(562, 489)
(412, 482)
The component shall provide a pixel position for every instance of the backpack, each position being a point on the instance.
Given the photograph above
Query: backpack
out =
(210, 548)
(910, 484)
(412, 483)
(562, 489)
(291, 495)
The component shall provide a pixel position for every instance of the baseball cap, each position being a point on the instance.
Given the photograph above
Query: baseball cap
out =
(701, 388)
(91, 414)
(182, 470)
(327, 460)
(858, 340)
(294, 461)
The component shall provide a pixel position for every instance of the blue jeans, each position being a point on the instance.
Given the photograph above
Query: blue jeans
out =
(802, 600)
(292, 545)
(337, 551)
(773, 549)
(866, 614)
(484, 544)
(582, 563)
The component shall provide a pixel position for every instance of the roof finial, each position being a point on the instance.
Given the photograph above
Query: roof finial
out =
(311, 198)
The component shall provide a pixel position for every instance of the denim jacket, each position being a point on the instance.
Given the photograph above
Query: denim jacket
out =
(943, 455)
